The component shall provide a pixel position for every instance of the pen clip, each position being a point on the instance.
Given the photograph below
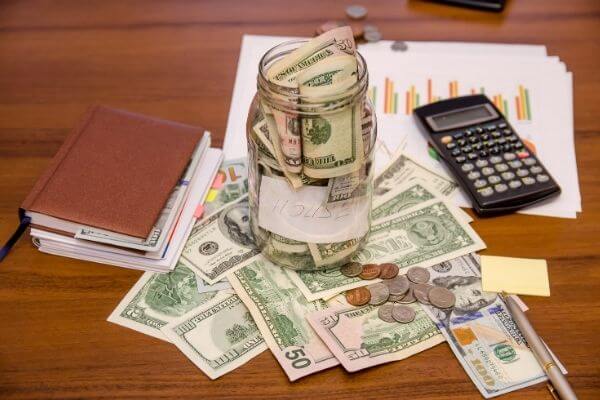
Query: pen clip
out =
(552, 391)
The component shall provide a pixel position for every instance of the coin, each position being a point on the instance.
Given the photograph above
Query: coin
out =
(403, 314)
(385, 312)
(359, 296)
(418, 275)
(370, 28)
(356, 12)
(388, 270)
(327, 26)
(408, 298)
(370, 271)
(398, 286)
(396, 298)
(379, 293)
(421, 291)
(441, 297)
(351, 269)
(373, 36)
(399, 45)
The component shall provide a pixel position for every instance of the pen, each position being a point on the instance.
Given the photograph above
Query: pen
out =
(556, 377)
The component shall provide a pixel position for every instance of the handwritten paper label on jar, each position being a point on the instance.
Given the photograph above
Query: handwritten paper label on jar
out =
(304, 214)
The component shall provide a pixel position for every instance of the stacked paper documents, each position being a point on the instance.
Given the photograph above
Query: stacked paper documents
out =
(533, 91)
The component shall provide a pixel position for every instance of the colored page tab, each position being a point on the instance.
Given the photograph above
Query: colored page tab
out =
(515, 275)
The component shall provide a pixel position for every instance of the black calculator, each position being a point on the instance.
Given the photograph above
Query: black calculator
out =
(485, 154)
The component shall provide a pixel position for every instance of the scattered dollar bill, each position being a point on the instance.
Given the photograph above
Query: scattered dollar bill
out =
(360, 339)
(217, 337)
(229, 185)
(215, 287)
(402, 169)
(481, 332)
(279, 310)
(157, 299)
(221, 242)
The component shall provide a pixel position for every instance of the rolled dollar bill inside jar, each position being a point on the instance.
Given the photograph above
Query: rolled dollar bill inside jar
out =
(311, 131)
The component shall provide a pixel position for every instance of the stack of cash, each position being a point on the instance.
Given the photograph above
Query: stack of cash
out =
(310, 138)
(225, 303)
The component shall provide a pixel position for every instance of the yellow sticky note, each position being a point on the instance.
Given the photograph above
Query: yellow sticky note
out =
(515, 275)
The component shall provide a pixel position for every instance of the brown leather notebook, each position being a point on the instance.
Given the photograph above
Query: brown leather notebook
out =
(115, 171)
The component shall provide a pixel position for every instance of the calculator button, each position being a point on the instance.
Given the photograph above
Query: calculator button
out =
(474, 175)
(487, 171)
(512, 139)
(507, 132)
(483, 153)
(467, 167)
(509, 156)
(522, 172)
(501, 167)
(515, 184)
(495, 159)
(471, 156)
(469, 132)
(481, 163)
(477, 146)
(485, 192)
(529, 161)
(467, 149)
(506, 147)
(502, 125)
(450, 146)
(501, 187)
(518, 145)
(455, 152)
(501, 141)
(461, 142)
(507, 176)
(494, 179)
(479, 183)
(496, 134)
(458, 135)
(515, 164)
(446, 139)
(522, 154)
(473, 139)
(542, 178)
(479, 130)
(460, 159)
(536, 169)
(485, 136)
(491, 128)
(528, 180)
(495, 150)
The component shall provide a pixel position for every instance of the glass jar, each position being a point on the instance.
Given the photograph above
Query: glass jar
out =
(310, 201)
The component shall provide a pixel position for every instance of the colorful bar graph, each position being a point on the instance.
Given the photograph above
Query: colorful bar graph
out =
(523, 105)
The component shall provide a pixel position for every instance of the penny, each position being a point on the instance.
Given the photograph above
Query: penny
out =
(351, 269)
(441, 297)
(399, 45)
(385, 312)
(356, 12)
(408, 298)
(421, 292)
(396, 298)
(327, 26)
(418, 275)
(357, 30)
(373, 36)
(379, 293)
(403, 314)
(359, 296)
(398, 286)
(388, 270)
(370, 271)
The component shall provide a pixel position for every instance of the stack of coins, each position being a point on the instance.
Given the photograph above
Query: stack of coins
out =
(395, 291)
(355, 13)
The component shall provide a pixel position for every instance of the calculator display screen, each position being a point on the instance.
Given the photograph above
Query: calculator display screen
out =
(462, 117)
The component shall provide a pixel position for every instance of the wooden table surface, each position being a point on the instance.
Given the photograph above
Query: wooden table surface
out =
(177, 60)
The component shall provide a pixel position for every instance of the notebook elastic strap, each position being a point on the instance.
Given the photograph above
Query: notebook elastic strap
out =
(25, 221)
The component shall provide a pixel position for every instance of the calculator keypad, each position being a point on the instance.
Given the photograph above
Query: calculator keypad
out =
(494, 159)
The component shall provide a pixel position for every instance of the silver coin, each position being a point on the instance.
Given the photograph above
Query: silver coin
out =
(399, 45)
(403, 314)
(409, 298)
(398, 285)
(418, 275)
(396, 298)
(373, 36)
(356, 12)
(441, 297)
(351, 269)
(379, 293)
(385, 312)
(370, 28)
(421, 292)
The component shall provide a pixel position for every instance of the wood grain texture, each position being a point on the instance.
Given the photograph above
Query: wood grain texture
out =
(177, 60)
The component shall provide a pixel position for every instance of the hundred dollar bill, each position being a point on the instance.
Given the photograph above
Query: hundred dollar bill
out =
(157, 299)
(217, 337)
(288, 151)
(360, 339)
(481, 332)
(279, 310)
(402, 169)
(424, 235)
(406, 195)
(230, 183)
(221, 242)
(348, 187)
